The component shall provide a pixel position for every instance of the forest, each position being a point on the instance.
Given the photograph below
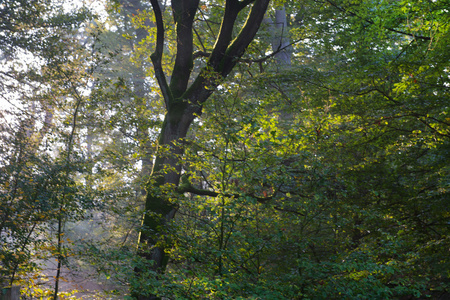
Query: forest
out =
(225, 149)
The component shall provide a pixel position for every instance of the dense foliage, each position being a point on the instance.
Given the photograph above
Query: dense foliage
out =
(316, 170)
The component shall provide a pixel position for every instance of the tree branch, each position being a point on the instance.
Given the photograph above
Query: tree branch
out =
(226, 52)
(187, 187)
(201, 54)
(372, 23)
(183, 14)
(245, 36)
(269, 56)
(232, 9)
(157, 55)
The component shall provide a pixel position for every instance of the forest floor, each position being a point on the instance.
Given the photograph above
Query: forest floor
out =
(82, 284)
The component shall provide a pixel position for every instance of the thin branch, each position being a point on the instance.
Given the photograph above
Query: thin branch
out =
(432, 128)
(289, 211)
(199, 40)
(214, 36)
(372, 23)
(268, 56)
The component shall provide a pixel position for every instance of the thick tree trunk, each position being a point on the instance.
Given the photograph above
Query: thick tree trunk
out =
(165, 174)
(166, 171)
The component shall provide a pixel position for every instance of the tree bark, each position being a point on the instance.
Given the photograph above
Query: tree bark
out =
(279, 32)
(281, 39)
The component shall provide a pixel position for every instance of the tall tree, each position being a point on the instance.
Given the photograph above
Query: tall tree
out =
(184, 95)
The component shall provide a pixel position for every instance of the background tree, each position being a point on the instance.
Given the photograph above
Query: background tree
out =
(40, 88)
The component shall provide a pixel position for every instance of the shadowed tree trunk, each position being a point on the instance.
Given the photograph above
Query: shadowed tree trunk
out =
(280, 37)
(183, 102)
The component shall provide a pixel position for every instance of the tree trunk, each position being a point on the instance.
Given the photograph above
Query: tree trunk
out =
(183, 104)
(281, 39)
(10, 293)
(166, 171)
